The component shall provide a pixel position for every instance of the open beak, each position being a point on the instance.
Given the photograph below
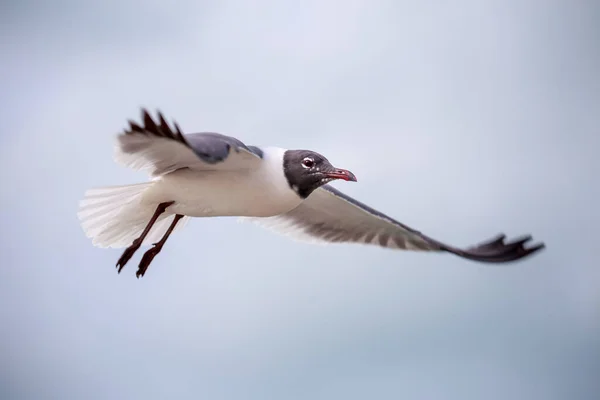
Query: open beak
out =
(339, 173)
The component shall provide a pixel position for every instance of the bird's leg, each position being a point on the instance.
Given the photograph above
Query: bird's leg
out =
(156, 248)
(128, 253)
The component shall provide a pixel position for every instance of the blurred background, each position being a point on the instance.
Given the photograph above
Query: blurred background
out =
(461, 119)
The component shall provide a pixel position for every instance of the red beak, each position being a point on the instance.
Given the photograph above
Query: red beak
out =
(339, 173)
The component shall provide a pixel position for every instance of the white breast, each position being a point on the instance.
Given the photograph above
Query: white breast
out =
(262, 192)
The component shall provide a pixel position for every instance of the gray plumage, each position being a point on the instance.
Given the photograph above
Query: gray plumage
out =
(330, 216)
(162, 149)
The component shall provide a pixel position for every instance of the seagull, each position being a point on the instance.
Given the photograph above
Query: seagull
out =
(209, 174)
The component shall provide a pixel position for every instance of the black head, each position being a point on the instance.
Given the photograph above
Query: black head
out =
(307, 170)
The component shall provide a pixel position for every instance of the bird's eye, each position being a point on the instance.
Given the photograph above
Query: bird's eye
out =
(308, 162)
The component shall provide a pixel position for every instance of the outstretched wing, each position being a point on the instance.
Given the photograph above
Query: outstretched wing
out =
(157, 148)
(330, 216)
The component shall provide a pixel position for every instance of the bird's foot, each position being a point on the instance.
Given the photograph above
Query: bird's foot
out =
(147, 259)
(127, 254)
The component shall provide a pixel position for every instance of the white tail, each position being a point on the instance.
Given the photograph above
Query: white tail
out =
(114, 216)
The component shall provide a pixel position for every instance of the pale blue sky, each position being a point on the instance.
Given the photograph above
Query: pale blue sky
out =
(462, 120)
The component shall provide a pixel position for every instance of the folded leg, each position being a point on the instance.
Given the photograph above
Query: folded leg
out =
(128, 253)
(156, 248)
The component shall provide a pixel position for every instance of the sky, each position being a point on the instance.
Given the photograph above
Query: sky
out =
(461, 119)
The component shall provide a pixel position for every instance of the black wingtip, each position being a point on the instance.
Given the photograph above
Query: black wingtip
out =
(494, 242)
(159, 127)
(496, 250)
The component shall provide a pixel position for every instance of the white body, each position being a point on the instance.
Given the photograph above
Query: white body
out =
(261, 192)
(115, 216)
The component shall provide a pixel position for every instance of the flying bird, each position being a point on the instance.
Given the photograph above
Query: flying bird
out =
(210, 175)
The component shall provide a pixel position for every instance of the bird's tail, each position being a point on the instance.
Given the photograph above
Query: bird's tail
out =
(115, 216)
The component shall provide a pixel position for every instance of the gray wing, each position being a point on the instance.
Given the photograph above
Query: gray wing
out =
(159, 149)
(330, 216)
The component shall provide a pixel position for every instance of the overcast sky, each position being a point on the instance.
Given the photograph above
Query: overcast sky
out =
(461, 119)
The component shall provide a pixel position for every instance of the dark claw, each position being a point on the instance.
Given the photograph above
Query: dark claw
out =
(127, 254)
(147, 259)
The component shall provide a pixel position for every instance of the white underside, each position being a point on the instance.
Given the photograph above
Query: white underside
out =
(115, 216)
(221, 193)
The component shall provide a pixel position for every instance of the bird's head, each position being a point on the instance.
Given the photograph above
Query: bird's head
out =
(307, 170)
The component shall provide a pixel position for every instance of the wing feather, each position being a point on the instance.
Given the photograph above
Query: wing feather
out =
(330, 216)
(157, 148)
